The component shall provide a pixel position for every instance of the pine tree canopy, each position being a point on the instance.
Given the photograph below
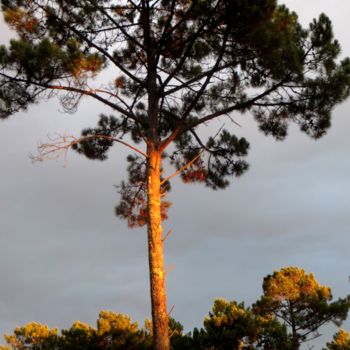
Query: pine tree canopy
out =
(300, 302)
(174, 66)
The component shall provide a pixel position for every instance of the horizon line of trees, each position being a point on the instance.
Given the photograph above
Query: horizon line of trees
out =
(290, 312)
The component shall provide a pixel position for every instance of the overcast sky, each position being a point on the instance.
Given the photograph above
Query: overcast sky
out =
(64, 256)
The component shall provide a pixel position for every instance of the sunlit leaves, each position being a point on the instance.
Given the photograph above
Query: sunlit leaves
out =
(294, 285)
(231, 325)
(228, 325)
(300, 302)
(341, 341)
(117, 331)
(114, 331)
(20, 20)
(80, 336)
(33, 335)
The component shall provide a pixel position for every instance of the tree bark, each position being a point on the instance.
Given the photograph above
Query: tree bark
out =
(155, 252)
(295, 338)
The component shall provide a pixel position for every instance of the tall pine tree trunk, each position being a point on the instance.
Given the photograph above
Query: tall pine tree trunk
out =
(155, 252)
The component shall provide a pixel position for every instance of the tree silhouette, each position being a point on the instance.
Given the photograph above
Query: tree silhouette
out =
(175, 65)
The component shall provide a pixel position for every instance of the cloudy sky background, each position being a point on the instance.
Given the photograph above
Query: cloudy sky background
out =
(64, 256)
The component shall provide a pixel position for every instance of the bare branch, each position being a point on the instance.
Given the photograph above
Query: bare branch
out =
(167, 235)
(60, 145)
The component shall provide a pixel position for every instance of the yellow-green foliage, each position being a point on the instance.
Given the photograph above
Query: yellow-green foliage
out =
(224, 313)
(109, 321)
(303, 305)
(293, 307)
(294, 284)
(32, 333)
(341, 341)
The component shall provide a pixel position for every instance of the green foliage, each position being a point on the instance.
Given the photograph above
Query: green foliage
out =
(300, 302)
(114, 331)
(199, 60)
(271, 334)
(79, 337)
(228, 325)
(293, 307)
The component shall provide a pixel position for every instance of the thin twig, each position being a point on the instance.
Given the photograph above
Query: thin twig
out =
(171, 310)
(167, 235)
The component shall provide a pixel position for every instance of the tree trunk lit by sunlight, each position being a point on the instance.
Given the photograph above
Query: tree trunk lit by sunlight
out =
(155, 250)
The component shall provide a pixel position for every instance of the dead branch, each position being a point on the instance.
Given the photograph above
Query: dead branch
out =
(167, 235)
(60, 145)
(171, 310)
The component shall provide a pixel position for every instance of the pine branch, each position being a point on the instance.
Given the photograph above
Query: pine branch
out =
(208, 78)
(189, 47)
(197, 78)
(90, 92)
(121, 28)
(239, 106)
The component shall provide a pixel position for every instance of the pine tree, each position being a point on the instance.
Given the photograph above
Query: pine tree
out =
(303, 305)
(175, 65)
